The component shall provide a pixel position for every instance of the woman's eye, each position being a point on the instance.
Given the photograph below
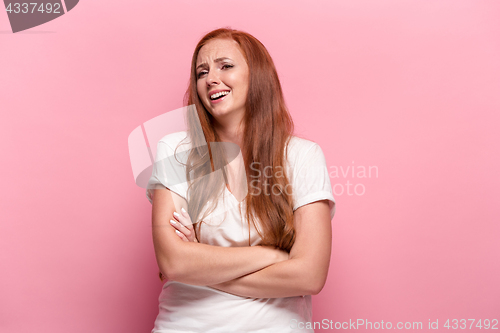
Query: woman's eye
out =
(200, 74)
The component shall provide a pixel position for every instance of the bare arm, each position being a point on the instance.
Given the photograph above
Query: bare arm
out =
(196, 263)
(305, 272)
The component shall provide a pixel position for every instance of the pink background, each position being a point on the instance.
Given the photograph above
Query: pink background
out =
(411, 87)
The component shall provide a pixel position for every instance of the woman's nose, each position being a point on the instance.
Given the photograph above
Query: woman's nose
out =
(212, 78)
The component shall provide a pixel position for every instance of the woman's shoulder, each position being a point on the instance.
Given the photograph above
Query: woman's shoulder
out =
(174, 139)
(299, 145)
(302, 151)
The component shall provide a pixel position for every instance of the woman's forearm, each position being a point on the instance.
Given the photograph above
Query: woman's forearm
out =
(202, 264)
(306, 270)
(293, 277)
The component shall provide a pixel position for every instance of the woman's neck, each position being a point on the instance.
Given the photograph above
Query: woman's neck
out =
(232, 134)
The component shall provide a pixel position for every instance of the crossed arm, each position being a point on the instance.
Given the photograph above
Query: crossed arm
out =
(253, 271)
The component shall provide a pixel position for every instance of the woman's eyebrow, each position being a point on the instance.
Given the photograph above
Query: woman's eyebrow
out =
(216, 60)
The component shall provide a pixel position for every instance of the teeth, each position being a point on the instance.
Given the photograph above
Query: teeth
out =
(214, 96)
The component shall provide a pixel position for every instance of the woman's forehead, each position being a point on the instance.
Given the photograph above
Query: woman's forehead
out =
(219, 48)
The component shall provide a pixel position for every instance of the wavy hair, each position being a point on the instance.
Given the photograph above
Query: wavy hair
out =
(268, 128)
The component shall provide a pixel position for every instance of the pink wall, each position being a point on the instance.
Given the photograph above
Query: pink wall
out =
(411, 88)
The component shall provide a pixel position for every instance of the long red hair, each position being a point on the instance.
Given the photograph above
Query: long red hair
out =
(268, 128)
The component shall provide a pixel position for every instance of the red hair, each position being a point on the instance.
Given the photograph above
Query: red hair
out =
(268, 128)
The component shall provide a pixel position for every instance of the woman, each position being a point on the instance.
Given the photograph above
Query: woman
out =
(246, 241)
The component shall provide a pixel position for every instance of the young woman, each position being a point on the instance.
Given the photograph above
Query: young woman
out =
(245, 241)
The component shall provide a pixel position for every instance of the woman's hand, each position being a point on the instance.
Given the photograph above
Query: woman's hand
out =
(184, 229)
(183, 226)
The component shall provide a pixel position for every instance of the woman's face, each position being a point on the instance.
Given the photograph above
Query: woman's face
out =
(221, 67)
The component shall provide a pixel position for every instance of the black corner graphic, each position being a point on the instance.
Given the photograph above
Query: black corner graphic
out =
(28, 14)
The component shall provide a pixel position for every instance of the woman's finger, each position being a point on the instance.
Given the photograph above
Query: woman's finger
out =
(186, 226)
(181, 228)
(182, 221)
(187, 220)
(184, 218)
(190, 236)
(181, 235)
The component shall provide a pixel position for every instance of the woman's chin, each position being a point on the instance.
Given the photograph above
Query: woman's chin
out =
(219, 112)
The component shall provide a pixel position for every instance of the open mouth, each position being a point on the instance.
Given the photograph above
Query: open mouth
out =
(219, 95)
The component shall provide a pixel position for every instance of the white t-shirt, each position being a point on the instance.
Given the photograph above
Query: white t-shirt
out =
(188, 308)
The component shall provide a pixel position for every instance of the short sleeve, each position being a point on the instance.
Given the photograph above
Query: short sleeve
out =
(168, 172)
(311, 181)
